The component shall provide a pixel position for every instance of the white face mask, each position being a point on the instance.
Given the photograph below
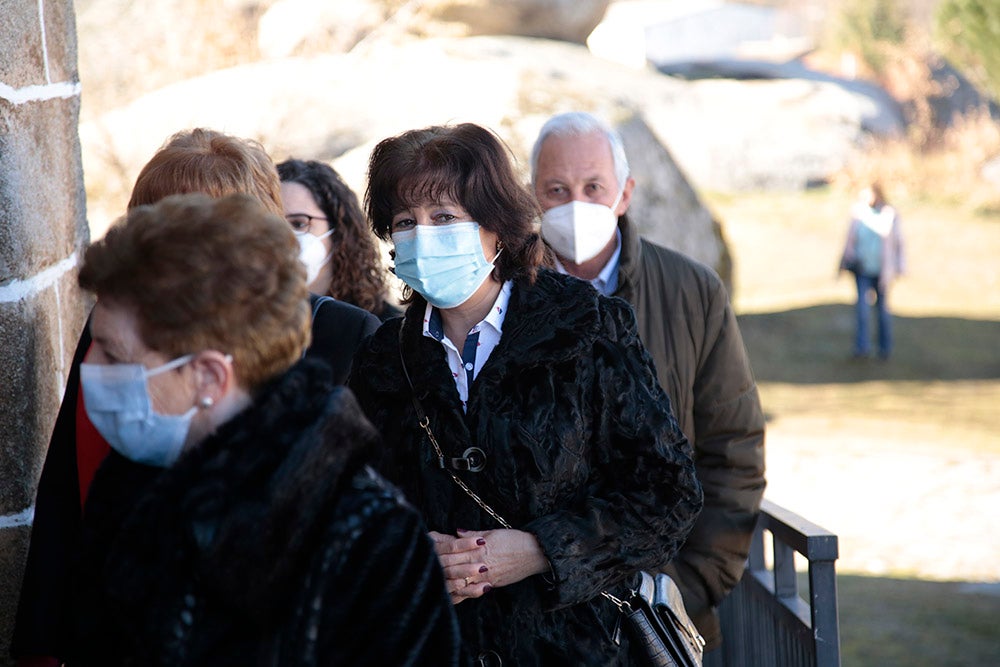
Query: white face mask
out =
(313, 254)
(579, 230)
(117, 401)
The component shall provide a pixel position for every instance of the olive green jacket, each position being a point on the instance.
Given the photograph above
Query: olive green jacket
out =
(687, 324)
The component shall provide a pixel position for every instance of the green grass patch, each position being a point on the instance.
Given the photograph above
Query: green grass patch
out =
(940, 390)
(912, 623)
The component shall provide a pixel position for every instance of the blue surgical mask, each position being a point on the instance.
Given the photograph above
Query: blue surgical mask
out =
(117, 401)
(445, 264)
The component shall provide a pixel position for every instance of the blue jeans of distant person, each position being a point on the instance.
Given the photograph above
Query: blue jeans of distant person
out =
(862, 338)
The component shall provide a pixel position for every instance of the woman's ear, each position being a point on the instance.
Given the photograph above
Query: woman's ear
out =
(214, 376)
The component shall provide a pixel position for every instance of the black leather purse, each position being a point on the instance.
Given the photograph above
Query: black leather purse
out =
(654, 615)
(659, 626)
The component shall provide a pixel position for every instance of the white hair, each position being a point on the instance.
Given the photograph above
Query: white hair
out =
(579, 123)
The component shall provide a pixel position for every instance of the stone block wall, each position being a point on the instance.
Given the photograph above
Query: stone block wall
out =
(43, 229)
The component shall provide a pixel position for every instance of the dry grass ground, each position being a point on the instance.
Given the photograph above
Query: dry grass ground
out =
(901, 459)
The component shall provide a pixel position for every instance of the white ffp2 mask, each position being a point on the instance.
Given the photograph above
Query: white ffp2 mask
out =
(313, 254)
(579, 230)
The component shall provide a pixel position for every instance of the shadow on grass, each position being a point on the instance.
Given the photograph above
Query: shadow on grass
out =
(914, 623)
(813, 346)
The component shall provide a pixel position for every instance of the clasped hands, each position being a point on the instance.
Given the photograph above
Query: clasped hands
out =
(475, 562)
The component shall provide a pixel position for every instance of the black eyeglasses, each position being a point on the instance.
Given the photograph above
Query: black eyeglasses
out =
(302, 223)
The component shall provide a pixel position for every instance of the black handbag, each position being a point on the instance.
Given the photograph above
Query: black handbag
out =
(654, 615)
(659, 626)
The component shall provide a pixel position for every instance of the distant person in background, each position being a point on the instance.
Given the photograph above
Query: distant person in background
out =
(874, 254)
(196, 160)
(340, 252)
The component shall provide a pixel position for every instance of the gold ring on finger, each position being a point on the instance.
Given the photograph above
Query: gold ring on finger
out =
(468, 580)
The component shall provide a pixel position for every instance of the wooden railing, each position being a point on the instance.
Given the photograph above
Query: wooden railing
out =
(766, 622)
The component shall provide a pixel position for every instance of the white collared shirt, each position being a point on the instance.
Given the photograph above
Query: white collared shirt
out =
(606, 281)
(485, 336)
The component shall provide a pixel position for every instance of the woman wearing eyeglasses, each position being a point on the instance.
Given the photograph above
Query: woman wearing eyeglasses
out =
(340, 253)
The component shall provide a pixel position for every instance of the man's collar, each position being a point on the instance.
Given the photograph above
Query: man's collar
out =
(605, 282)
(631, 252)
(607, 274)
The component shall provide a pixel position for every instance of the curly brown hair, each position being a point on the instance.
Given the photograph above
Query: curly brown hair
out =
(358, 276)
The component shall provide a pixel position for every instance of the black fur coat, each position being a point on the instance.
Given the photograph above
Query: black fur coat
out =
(581, 448)
(271, 543)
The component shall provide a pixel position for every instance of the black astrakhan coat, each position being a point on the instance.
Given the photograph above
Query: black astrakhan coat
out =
(42, 624)
(582, 451)
(271, 543)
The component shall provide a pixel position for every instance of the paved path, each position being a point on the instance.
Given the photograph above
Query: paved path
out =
(898, 511)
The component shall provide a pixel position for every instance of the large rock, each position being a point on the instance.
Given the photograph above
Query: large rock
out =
(765, 135)
(125, 50)
(335, 107)
(569, 20)
(664, 205)
(302, 27)
(128, 48)
(883, 116)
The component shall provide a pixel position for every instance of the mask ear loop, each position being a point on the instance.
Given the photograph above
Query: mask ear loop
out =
(329, 256)
(169, 366)
(618, 200)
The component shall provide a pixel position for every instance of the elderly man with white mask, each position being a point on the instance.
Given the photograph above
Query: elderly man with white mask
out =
(581, 179)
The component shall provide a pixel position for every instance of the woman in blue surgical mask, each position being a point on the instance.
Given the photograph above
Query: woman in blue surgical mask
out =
(519, 410)
(236, 518)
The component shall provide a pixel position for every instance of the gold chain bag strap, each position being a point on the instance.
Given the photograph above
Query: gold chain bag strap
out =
(655, 614)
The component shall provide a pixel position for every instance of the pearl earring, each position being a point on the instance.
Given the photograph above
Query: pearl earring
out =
(205, 402)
